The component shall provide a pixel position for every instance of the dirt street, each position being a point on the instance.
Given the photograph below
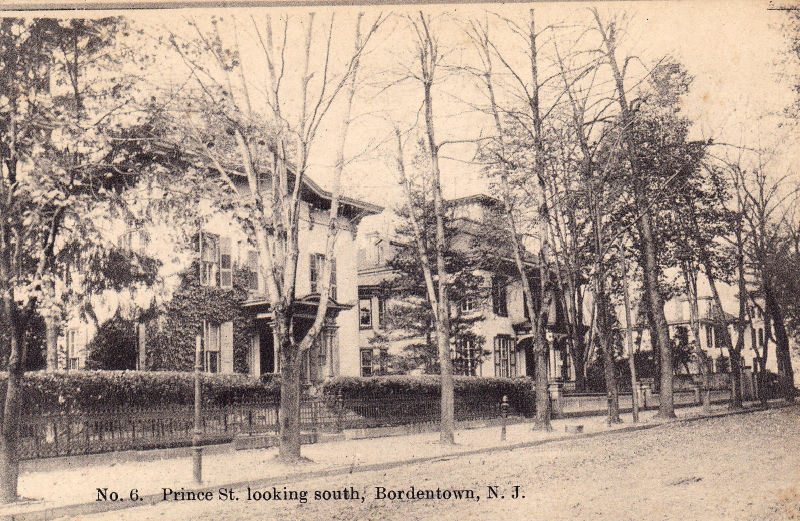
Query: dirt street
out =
(743, 467)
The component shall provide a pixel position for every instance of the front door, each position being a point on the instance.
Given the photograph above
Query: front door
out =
(530, 360)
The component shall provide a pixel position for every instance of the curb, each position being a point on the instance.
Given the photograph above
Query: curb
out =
(152, 499)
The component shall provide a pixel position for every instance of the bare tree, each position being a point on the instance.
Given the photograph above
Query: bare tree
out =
(531, 120)
(428, 57)
(608, 34)
(765, 212)
(280, 149)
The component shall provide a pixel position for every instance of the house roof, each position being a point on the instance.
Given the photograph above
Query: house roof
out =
(309, 300)
(311, 187)
(476, 198)
(373, 277)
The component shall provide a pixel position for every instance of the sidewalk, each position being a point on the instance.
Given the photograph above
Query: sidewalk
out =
(73, 491)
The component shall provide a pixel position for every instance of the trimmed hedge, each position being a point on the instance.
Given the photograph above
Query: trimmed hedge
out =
(467, 388)
(97, 390)
(103, 390)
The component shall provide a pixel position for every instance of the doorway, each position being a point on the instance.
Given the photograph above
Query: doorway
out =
(266, 349)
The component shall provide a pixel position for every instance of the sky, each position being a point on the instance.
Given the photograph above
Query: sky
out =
(732, 49)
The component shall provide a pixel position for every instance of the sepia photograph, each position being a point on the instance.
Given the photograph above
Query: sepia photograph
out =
(321, 260)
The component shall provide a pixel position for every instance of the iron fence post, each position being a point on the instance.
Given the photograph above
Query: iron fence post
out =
(339, 412)
(197, 456)
(503, 417)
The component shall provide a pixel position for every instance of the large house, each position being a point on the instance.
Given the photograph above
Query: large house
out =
(220, 251)
(498, 312)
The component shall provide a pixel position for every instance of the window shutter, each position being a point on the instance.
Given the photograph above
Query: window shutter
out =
(333, 279)
(497, 366)
(252, 267)
(211, 338)
(226, 347)
(225, 263)
(313, 272)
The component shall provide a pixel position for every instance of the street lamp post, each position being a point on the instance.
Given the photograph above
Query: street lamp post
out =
(197, 456)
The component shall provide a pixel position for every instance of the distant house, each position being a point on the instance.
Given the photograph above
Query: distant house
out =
(500, 316)
(677, 312)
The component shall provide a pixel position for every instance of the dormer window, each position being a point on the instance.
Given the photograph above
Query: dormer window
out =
(469, 304)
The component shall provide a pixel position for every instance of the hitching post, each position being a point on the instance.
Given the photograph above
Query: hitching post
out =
(197, 456)
(503, 417)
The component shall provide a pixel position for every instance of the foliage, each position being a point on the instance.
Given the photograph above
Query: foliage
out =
(413, 315)
(76, 391)
(114, 346)
(36, 344)
(171, 339)
(406, 386)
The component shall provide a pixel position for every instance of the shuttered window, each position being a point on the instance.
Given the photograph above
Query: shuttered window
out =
(216, 267)
(316, 263)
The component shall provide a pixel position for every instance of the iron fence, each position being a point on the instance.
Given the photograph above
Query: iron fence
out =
(66, 433)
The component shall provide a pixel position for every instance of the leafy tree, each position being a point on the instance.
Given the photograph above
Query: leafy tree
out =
(66, 151)
(414, 316)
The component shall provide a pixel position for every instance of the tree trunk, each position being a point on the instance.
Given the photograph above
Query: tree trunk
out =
(609, 371)
(629, 339)
(447, 420)
(720, 320)
(541, 350)
(666, 408)
(578, 363)
(289, 448)
(9, 431)
(782, 353)
(651, 269)
(51, 338)
(690, 281)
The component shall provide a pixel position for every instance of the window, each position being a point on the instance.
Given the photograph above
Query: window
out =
(215, 260)
(316, 264)
(72, 350)
(505, 359)
(469, 304)
(372, 365)
(709, 336)
(466, 357)
(225, 263)
(211, 345)
(526, 313)
(366, 362)
(365, 313)
(499, 304)
(135, 240)
(333, 279)
(383, 361)
(252, 270)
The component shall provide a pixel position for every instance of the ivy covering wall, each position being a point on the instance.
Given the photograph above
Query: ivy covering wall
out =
(171, 335)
